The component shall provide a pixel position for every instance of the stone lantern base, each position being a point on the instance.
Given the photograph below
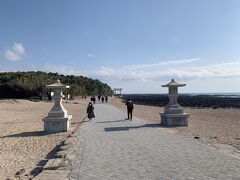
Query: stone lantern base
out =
(57, 124)
(174, 119)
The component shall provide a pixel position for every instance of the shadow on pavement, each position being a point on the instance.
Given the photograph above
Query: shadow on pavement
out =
(121, 120)
(109, 129)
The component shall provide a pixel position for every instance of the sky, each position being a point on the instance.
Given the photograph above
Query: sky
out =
(137, 45)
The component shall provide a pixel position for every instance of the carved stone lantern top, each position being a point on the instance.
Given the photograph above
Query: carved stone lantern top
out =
(173, 83)
(57, 85)
(173, 87)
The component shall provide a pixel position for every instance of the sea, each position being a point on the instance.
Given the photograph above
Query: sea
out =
(230, 95)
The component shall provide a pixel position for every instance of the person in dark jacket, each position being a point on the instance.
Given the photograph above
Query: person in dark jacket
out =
(94, 99)
(90, 111)
(102, 99)
(130, 107)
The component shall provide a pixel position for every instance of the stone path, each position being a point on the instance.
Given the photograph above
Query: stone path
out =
(115, 148)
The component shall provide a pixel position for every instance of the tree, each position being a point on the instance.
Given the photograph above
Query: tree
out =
(31, 84)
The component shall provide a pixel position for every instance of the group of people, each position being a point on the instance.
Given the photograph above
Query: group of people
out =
(103, 98)
(100, 98)
(90, 109)
(93, 99)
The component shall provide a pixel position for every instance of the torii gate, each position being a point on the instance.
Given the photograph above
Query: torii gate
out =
(116, 90)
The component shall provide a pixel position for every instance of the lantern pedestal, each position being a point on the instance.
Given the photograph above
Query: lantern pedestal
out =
(58, 119)
(173, 114)
(58, 124)
(174, 119)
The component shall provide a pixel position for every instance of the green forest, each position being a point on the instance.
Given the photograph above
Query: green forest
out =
(32, 84)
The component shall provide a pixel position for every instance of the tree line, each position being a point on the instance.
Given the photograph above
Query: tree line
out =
(32, 84)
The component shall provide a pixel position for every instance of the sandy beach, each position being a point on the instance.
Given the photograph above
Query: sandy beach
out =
(218, 128)
(23, 143)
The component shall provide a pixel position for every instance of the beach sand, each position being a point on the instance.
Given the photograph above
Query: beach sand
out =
(23, 143)
(218, 128)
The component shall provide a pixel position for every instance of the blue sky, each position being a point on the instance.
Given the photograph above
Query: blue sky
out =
(134, 44)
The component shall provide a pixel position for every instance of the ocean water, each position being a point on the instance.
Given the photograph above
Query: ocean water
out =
(231, 95)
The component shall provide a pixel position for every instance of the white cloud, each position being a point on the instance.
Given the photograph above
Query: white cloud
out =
(164, 63)
(167, 70)
(12, 56)
(147, 78)
(91, 55)
(18, 48)
(34, 67)
(61, 69)
(15, 53)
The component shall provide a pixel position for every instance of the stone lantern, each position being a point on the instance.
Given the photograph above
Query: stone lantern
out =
(58, 119)
(173, 113)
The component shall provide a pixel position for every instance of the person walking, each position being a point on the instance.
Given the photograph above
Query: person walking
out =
(130, 107)
(106, 99)
(99, 97)
(90, 111)
(102, 99)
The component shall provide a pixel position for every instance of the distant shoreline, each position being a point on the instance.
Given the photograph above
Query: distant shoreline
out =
(230, 94)
(189, 100)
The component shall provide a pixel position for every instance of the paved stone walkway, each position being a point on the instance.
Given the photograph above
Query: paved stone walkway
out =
(115, 148)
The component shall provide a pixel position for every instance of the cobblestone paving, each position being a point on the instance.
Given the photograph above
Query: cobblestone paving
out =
(115, 148)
